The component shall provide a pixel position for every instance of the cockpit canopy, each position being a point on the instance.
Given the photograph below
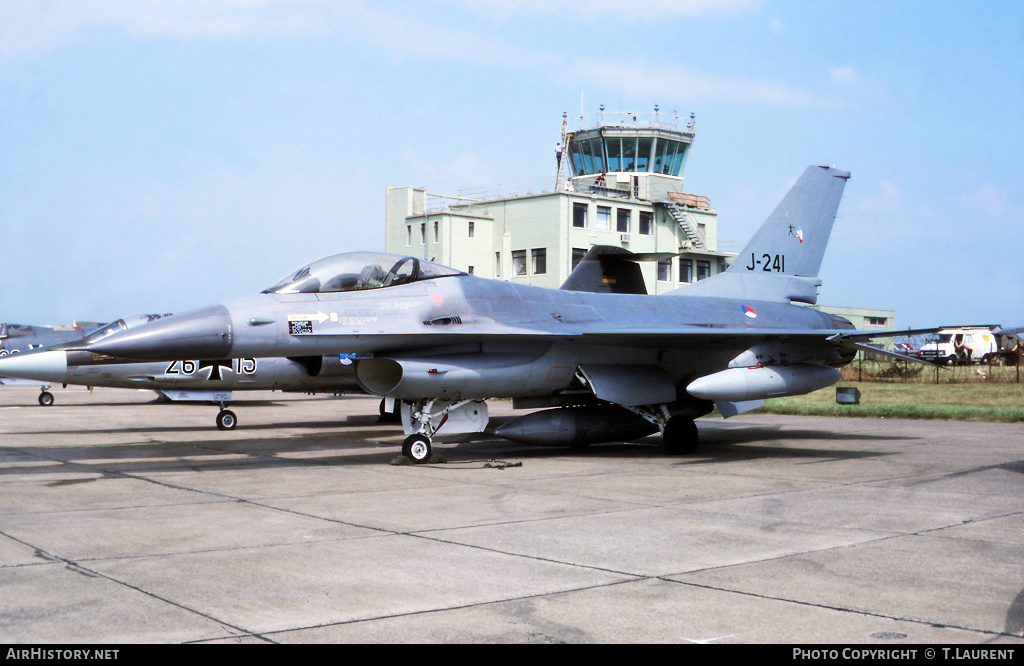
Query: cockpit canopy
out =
(355, 271)
(121, 325)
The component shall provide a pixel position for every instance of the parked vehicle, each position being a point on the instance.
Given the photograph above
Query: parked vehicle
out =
(961, 346)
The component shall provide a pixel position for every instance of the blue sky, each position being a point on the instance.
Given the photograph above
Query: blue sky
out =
(169, 154)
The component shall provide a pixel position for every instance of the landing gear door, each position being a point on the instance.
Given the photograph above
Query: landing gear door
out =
(469, 417)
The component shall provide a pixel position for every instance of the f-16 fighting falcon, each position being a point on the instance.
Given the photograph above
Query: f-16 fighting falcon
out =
(612, 366)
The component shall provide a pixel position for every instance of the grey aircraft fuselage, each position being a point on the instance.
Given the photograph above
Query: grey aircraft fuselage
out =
(539, 335)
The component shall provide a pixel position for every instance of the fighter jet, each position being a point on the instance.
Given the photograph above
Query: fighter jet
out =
(190, 380)
(613, 366)
(17, 338)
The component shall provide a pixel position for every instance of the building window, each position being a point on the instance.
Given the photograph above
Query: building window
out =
(686, 270)
(646, 222)
(470, 271)
(577, 256)
(518, 262)
(497, 264)
(665, 270)
(540, 261)
(472, 229)
(437, 232)
(579, 215)
(622, 220)
(408, 235)
(604, 218)
(423, 233)
(877, 321)
(703, 269)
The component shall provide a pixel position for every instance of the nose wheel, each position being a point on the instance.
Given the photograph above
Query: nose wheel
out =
(45, 397)
(226, 420)
(416, 448)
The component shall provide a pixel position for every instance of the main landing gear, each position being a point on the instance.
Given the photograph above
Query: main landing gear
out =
(423, 423)
(680, 435)
(416, 446)
(678, 431)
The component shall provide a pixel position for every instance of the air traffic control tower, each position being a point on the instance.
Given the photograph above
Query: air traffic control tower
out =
(618, 180)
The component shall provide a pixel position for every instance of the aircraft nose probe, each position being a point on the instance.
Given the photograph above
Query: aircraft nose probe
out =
(201, 335)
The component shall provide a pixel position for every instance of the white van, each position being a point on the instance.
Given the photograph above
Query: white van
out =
(960, 346)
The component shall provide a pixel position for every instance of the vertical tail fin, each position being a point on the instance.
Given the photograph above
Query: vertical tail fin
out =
(781, 261)
(792, 240)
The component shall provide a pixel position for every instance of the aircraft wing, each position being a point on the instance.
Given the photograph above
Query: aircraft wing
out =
(660, 338)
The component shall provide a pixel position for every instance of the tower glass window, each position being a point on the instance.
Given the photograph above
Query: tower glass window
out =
(613, 147)
(643, 153)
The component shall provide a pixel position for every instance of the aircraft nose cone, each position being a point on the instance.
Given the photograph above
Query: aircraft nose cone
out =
(200, 334)
(42, 366)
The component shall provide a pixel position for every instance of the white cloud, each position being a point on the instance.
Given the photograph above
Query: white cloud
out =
(641, 80)
(987, 199)
(28, 28)
(843, 75)
(886, 200)
(581, 10)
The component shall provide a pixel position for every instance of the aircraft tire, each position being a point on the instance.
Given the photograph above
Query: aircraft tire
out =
(226, 420)
(45, 398)
(680, 436)
(417, 448)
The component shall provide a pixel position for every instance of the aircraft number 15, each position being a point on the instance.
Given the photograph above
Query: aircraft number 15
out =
(768, 263)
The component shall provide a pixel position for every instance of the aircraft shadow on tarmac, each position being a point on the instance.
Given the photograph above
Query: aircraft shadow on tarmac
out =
(731, 444)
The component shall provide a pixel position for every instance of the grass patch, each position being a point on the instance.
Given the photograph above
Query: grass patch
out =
(943, 402)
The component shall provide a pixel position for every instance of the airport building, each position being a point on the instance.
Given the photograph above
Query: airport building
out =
(616, 181)
(864, 319)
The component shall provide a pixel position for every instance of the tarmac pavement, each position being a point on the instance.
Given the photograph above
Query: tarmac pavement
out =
(123, 520)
